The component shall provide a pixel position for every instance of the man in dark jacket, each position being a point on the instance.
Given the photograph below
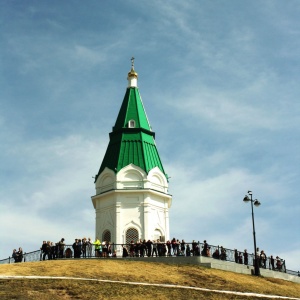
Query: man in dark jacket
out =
(75, 247)
(44, 250)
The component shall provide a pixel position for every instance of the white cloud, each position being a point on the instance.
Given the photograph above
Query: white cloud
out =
(54, 195)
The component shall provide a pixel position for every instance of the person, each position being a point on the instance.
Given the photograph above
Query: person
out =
(154, 249)
(236, 256)
(208, 252)
(182, 247)
(131, 249)
(89, 247)
(52, 250)
(245, 255)
(177, 247)
(278, 263)
(14, 255)
(84, 247)
(263, 259)
(137, 248)
(61, 248)
(111, 249)
(19, 255)
(223, 253)
(97, 244)
(216, 254)
(75, 247)
(174, 246)
(188, 250)
(197, 249)
(194, 246)
(272, 263)
(124, 252)
(56, 250)
(205, 247)
(159, 247)
(256, 259)
(49, 250)
(79, 248)
(163, 249)
(257, 252)
(240, 258)
(44, 250)
(168, 244)
(149, 247)
(142, 247)
(104, 249)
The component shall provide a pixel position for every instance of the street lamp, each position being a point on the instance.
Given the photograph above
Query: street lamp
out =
(256, 203)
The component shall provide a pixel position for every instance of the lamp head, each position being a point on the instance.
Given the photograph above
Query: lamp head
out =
(256, 203)
(246, 199)
(250, 192)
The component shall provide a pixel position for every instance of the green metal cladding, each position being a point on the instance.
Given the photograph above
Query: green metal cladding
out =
(131, 145)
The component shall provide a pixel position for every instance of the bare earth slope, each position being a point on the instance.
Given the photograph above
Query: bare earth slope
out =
(132, 271)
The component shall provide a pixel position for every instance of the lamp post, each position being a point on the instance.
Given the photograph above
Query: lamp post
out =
(256, 203)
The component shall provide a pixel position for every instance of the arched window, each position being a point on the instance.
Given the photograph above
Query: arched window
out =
(131, 235)
(106, 236)
(131, 124)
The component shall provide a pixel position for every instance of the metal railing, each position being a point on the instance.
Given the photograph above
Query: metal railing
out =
(116, 250)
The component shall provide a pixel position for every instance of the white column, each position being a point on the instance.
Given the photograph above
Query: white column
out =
(118, 231)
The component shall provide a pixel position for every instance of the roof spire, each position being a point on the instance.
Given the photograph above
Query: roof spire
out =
(132, 75)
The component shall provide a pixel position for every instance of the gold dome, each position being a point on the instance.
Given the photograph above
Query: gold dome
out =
(132, 72)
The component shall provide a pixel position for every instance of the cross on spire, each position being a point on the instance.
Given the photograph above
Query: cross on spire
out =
(132, 63)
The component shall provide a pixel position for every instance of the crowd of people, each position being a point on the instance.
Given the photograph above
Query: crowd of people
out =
(176, 247)
(83, 248)
(156, 248)
(104, 249)
(52, 250)
(172, 247)
(274, 263)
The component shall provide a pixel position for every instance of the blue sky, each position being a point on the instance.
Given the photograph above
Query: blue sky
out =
(220, 84)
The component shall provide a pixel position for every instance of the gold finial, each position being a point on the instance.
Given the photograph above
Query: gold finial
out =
(132, 75)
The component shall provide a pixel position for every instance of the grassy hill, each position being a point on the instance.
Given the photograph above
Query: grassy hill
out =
(132, 271)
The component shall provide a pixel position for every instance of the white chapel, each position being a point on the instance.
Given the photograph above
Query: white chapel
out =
(132, 200)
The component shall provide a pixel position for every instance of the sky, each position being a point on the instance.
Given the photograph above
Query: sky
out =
(220, 84)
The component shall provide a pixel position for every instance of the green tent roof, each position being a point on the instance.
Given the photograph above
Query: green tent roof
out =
(131, 144)
(132, 109)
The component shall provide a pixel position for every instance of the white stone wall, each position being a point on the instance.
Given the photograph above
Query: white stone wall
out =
(131, 199)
